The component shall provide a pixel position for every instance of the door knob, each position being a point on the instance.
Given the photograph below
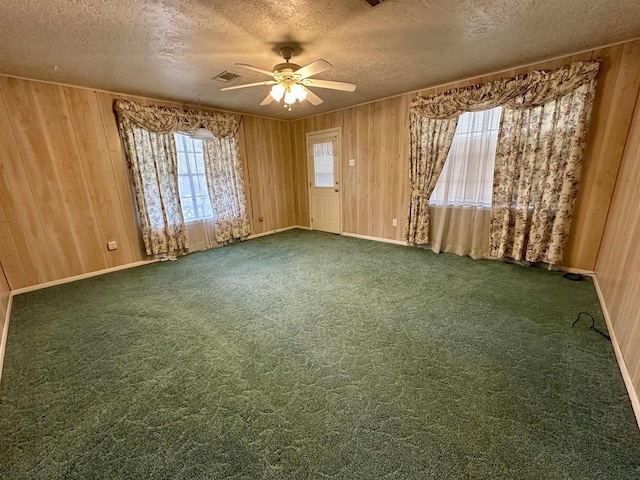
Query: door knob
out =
(336, 189)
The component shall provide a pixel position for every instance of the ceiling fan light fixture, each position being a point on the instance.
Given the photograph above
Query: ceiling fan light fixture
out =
(289, 97)
(299, 93)
(277, 92)
(290, 81)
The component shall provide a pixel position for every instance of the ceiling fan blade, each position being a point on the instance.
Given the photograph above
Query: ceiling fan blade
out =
(313, 68)
(268, 82)
(345, 87)
(312, 97)
(267, 100)
(255, 69)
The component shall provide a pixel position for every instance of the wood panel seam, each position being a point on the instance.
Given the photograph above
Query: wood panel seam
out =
(30, 188)
(615, 185)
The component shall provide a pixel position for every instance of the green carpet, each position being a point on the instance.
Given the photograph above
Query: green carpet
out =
(310, 356)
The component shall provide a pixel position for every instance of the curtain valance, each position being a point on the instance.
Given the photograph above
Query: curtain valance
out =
(166, 120)
(525, 91)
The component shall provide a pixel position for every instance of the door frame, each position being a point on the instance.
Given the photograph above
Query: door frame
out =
(327, 131)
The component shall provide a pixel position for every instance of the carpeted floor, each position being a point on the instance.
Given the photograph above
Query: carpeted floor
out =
(308, 355)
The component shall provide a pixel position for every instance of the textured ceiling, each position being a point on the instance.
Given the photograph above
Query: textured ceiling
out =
(171, 49)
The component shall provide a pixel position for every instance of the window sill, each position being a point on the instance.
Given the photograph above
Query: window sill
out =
(461, 207)
(199, 220)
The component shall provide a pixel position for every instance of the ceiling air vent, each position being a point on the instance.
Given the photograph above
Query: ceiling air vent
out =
(225, 76)
(373, 3)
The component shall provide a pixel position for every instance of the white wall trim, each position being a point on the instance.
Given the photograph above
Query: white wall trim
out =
(633, 395)
(407, 244)
(32, 288)
(589, 273)
(375, 239)
(5, 333)
(62, 281)
(277, 230)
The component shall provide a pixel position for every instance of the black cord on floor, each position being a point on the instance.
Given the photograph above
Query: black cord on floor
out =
(576, 277)
(593, 323)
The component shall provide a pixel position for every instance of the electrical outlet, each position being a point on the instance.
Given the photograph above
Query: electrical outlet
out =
(394, 222)
(112, 245)
(352, 162)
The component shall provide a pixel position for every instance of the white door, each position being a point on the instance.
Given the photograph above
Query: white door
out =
(323, 150)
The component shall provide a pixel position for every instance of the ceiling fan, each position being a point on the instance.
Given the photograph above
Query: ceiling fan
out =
(290, 81)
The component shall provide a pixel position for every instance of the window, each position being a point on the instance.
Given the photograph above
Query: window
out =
(194, 194)
(323, 164)
(467, 176)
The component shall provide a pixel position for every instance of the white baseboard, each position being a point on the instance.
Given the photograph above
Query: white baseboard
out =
(5, 333)
(589, 273)
(277, 230)
(375, 239)
(633, 395)
(407, 244)
(62, 281)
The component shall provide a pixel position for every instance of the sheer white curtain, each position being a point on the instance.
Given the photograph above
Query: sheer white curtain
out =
(194, 194)
(461, 202)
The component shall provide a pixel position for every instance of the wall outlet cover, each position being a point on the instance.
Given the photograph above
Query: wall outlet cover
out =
(112, 245)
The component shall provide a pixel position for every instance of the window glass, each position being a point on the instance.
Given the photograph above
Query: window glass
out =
(194, 194)
(323, 164)
(467, 176)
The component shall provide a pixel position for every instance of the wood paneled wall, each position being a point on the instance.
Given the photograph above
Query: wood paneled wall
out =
(64, 187)
(376, 135)
(376, 189)
(618, 264)
(267, 145)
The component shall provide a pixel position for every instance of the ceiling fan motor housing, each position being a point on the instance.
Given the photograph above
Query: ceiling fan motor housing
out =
(286, 68)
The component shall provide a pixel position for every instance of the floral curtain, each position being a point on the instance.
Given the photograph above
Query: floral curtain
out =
(147, 135)
(530, 90)
(538, 163)
(169, 120)
(538, 157)
(430, 141)
(223, 170)
(153, 166)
